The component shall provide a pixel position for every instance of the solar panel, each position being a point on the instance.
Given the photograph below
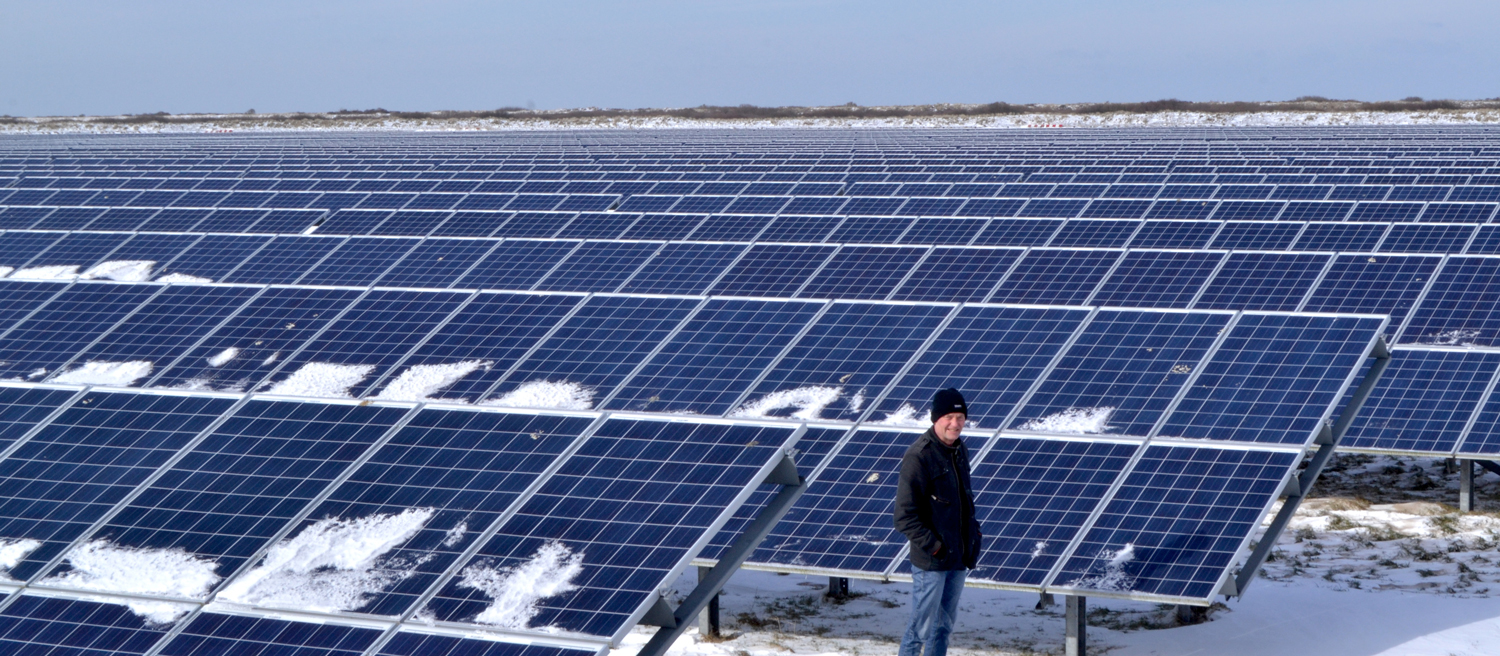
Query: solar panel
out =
(1423, 402)
(623, 514)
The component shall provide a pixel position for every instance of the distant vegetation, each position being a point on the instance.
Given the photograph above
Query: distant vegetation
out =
(850, 110)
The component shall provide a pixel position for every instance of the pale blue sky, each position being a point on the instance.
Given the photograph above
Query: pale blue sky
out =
(78, 57)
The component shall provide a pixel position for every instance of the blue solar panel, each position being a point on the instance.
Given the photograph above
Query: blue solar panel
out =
(68, 475)
(1459, 309)
(74, 318)
(369, 338)
(845, 359)
(714, 357)
(416, 644)
(1095, 234)
(1423, 401)
(1018, 232)
(1273, 378)
(810, 229)
(1121, 374)
(1157, 279)
(595, 349)
(942, 231)
(772, 270)
(599, 225)
(68, 218)
(1174, 234)
(80, 249)
(862, 272)
(284, 260)
(40, 625)
(471, 224)
(598, 266)
(1256, 236)
(631, 506)
(1177, 522)
(1373, 284)
(516, 264)
(213, 256)
(1031, 498)
(436, 262)
(533, 224)
(212, 633)
(993, 354)
(253, 343)
(358, 262)
(1055, 277)
(232, 493)
(1262, 281)
(1426, 238)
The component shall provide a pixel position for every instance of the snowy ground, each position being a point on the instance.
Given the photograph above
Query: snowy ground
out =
(1393, 570)
(271, 123)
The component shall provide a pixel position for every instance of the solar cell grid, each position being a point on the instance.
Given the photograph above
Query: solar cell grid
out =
(1273, 378)
(230, 494)
(42, 625)
(283, 260)
(516, 264)
(862, 272)
(593, 351)
(1055, 277)
(1121, 373)
(1157, 279)
(213, 633)
(714, 356)
(598, 266)
(77, 249)
(1183, 513)
(628, 507)
(1262, 281)
(358, 262)
(70, 473)
(74, 319)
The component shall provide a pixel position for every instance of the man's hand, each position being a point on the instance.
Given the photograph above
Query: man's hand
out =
(938, 549)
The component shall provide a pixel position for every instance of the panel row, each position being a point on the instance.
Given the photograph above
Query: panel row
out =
(1030, 368)
(1432, 299)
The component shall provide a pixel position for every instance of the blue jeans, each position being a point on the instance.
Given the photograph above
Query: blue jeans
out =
(934, 607)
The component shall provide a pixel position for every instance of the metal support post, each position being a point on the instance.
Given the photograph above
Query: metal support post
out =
(1191, 614)
(1076, 643)
(1465, 485)
(708, 618)
(838, 587)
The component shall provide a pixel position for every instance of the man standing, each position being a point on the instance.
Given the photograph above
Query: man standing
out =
(935, 510)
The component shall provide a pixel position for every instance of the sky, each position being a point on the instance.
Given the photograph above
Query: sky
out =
(69, 57)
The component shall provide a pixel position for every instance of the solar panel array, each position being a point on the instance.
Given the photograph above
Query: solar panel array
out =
(574, 357)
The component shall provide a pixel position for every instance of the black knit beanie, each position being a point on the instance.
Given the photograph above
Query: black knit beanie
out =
(946, 401)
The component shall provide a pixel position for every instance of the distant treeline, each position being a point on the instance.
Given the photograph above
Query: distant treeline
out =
(851, 110)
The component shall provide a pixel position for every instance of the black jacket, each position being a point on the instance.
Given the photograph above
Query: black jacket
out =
(935, 505)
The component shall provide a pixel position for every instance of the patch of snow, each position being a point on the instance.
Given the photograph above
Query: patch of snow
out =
(1039, 549)
(516, 590)
(12, 552)
(562, 395)
(332, 565)
(455, 534)
(323, 379)
(1113, 578)
(857, 402)
(36, 373)
(809, 402)
(121, 270)
(1455, 337)
(1077, 421)
(182, 277)
(57, 272)
(103, 566)
(115, 374)
(905, 415)
(420, 382)
(5, 271)
(270, 359)
(223, 357)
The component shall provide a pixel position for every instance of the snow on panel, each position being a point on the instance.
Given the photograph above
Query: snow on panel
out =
(56, 272)
(323, 379)
(332, 565)
(121, 270)
(114, 374)
(420, 382)
(561, 395)
(1075, 421)
(516, 590)
(105, 567)
(808, 402)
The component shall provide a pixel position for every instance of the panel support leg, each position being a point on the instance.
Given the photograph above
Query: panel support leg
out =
(708, 618)
(1465, 485)
(1044, 601)
(1191, 614)
(838, 587)
(1076, 642)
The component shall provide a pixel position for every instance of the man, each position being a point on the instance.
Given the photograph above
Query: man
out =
(935, 510)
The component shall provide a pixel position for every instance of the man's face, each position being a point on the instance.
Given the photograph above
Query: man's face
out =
(947, 427)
